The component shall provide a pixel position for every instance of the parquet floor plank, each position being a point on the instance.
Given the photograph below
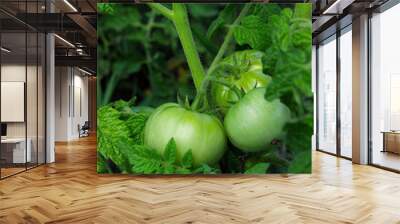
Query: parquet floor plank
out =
(70, 191)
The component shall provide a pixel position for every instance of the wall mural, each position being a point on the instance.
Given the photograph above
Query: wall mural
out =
(204, 88)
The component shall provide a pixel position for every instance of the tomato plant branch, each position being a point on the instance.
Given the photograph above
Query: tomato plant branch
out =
(162, 9)
(179, 16)
(218, 57)
(227, 39)
(181, 21)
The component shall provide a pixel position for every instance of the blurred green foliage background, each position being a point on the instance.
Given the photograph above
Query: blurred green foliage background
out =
(140, 55)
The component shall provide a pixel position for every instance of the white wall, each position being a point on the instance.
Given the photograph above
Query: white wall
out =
(71, 94)
(62, 81)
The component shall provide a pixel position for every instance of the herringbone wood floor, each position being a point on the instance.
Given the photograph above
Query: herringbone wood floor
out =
(70, 191)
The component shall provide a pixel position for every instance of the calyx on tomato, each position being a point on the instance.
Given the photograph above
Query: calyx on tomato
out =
(202, 133)
(242, 70)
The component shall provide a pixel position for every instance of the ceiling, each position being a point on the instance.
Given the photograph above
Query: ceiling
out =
(74, 22)
(330, 15)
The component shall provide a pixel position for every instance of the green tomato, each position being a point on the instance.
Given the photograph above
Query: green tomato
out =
(202, 133)
(253, 122)
(249, 75)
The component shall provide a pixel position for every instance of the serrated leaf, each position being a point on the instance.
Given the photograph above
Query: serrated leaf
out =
(187, 160)
(169, 169)
(170, 152)
(102, 166)
(136, 124)
(113, 137)
(206, 169)
(145, 160)
(259, 168)
(252, 31)
(265, 10)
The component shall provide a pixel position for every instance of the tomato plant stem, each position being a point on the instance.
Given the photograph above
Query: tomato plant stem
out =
(181, 21)
(218, 57)
(162, 9)
(179, 16)
(227, 39)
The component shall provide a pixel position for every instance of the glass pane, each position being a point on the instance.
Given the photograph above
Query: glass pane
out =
(14, 151)
(31, 99)
(327, 96)
(31, 88)
(386, 89)
(41, 99)
(346, 93)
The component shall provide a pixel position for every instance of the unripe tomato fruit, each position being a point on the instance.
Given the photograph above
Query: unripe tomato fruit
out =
(253, 122)
(202, 133)
(245, 80)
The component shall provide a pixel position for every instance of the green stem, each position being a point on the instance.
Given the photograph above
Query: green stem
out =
(162, 9)
(181, 21)
(219, 55)
(227, 39)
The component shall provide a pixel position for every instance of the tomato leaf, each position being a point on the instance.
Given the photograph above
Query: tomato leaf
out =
(206, 169)
(170, 152)
(113, 137)
(102, 166)
(145, 160)
(259, 168)
(136, 124)
(187, 160)
(169, 169)
(252, 31)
